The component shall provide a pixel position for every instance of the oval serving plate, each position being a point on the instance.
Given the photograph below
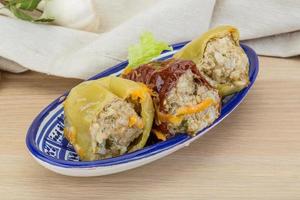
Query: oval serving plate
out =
(46, 142)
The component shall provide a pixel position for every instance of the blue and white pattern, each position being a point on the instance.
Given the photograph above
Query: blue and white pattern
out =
(46, 142)
(51, 150)
(50, 137)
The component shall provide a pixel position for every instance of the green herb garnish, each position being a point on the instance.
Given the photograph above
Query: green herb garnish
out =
(23, 9)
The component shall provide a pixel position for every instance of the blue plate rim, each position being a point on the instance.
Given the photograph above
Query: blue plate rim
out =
(147, 151)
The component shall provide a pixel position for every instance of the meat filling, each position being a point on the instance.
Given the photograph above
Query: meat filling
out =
(115, 128)
(189, 93)
(225, 62)
(184, 101)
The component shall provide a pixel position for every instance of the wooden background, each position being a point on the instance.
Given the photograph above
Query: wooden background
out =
(253, 154)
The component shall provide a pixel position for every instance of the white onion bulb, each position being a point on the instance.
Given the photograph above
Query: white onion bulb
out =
(77, 14)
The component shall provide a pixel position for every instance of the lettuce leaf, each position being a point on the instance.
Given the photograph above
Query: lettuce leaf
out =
(147, 49)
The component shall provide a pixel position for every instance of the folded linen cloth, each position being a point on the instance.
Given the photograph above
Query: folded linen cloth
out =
(271, 27)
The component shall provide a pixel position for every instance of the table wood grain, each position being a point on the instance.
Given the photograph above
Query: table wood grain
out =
(252, 154)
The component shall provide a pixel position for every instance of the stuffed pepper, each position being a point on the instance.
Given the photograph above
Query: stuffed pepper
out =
(184, 101)
(108, 117)
(220, 59)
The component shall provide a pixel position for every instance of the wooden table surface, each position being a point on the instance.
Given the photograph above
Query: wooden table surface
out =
(252, 154)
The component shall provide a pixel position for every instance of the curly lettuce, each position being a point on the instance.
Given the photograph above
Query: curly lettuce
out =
(147, 49)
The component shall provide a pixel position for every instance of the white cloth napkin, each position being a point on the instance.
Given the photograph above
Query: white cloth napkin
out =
(271, 27)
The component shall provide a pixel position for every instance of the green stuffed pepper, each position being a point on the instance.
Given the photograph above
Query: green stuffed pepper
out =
(108, 117)
(220, 59)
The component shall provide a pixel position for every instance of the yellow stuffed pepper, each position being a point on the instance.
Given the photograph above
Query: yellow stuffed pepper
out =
(220, 59)
(108, 117)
